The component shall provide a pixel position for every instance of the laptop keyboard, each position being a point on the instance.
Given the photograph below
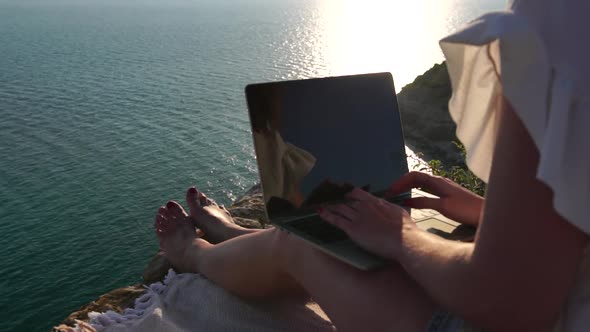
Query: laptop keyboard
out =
(319, 229)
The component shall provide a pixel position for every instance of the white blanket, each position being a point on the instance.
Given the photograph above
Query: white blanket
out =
(189, 302)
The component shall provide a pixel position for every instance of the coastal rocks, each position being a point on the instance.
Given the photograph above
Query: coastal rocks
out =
(248, 211)
(428, 127)
(156, 269)
(116, 300)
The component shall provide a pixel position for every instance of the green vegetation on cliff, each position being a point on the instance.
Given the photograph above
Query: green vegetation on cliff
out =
(436, 80)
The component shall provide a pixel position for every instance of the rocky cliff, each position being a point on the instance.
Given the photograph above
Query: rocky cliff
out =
(428, 127)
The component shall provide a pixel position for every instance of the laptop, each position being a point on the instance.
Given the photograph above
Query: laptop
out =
(317, 139)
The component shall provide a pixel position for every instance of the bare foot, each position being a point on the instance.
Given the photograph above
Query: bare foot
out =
(214, 220)
(178, 237)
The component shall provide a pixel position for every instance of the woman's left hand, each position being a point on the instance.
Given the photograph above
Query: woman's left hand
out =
(371, 222)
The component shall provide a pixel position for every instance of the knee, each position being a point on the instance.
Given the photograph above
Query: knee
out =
(288, 250)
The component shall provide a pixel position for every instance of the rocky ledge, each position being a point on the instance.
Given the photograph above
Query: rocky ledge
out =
(428, 129)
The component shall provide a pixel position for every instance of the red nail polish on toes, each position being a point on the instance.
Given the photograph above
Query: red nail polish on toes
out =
(192, 190)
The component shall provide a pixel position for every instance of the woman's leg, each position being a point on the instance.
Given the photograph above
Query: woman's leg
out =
(272, 263)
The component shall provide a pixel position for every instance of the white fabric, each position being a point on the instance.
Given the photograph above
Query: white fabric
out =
(537, 55)
(189, 302)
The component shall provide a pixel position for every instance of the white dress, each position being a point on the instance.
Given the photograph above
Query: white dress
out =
(537, 55)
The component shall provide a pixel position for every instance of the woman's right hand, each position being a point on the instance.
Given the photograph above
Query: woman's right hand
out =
(454, 202)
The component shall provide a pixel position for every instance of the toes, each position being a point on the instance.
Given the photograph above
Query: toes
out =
(175, 210)
(161, 219)
(168, 217)
(163, 211)
(204, 200)
(193, 201)
(162, 225)
(197, 201)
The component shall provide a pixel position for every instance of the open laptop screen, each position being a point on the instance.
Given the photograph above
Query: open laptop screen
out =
(316, 139)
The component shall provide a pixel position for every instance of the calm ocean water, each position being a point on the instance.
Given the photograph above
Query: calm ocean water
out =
(108, 110)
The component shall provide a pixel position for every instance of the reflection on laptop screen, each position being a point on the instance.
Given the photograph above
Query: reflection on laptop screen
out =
(317, 139)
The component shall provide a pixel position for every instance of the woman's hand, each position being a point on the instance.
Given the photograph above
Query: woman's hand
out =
(454, 202)
(371, 222)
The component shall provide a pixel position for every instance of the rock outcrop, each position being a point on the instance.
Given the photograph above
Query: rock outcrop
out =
(428, 127)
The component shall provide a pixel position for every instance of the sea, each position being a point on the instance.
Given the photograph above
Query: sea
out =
(110, 108)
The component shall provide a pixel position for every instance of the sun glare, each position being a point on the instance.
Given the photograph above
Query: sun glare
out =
(397, 36)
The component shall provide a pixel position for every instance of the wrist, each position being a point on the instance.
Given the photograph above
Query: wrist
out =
(408, 233)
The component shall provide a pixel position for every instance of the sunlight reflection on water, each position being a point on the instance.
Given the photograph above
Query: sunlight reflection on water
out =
(401, 37)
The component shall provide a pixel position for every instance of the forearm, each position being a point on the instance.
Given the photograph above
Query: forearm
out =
(442, 267)
(457, 280)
